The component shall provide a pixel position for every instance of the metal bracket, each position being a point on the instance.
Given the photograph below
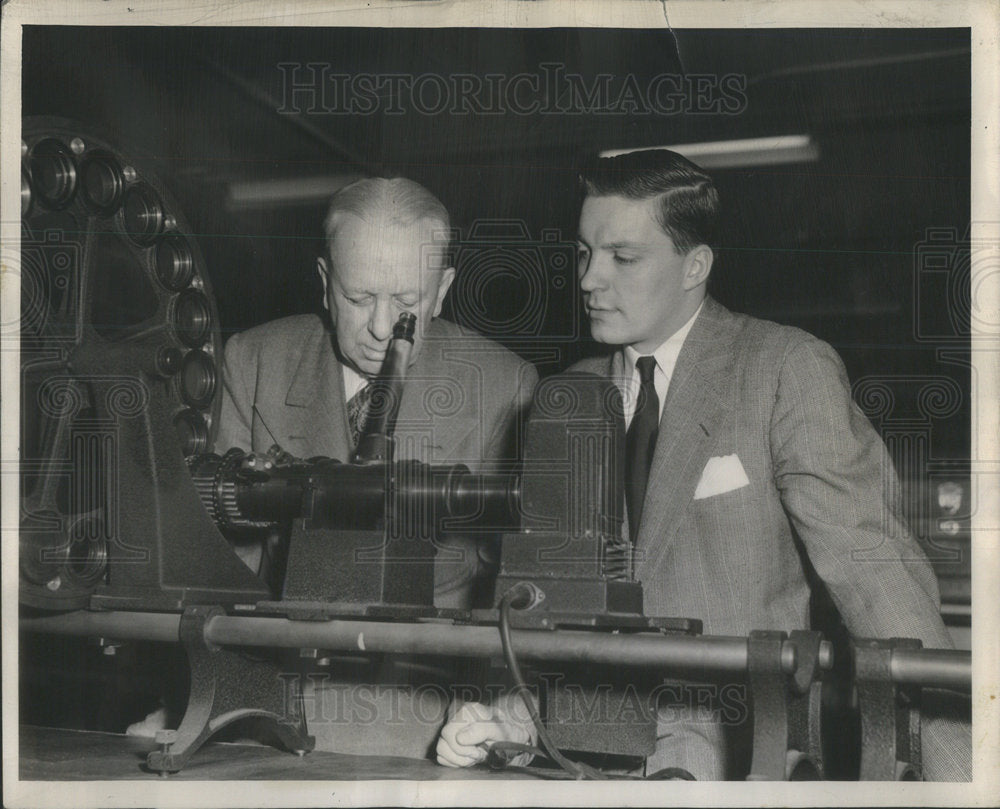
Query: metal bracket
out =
(890, 713)
(227, 687)
(786, 706)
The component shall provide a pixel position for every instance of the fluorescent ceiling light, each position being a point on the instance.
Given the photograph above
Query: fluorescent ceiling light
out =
(286, 190)
(726, 154)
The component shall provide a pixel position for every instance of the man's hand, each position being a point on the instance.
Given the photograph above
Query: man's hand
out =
(473, 726)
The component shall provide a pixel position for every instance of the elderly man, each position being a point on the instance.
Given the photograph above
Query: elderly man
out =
(304, 385)
(746, 461)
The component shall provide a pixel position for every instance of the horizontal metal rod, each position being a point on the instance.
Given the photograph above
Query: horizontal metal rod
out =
(111, 625)
(722, 655)
(717, 654)
(941, 668)
(932, 668)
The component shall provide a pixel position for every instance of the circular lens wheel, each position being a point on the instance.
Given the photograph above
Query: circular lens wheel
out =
(107, 262)
(102, 182)
(174, 263)
(53, 173)
(142, 214)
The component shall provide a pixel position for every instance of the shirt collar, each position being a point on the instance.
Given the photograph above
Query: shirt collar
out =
(667, 352)
(353, 382)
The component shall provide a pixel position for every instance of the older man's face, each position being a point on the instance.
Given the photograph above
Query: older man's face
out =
(376, 270)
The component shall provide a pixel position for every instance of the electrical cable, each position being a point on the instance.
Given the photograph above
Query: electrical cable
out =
(499, 753)
(526, 596)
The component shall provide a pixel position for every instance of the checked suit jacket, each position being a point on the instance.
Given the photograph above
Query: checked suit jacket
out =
(762, 458)
(461, 403)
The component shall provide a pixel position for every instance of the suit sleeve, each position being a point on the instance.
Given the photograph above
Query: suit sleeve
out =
(236, 414)
(840, 491)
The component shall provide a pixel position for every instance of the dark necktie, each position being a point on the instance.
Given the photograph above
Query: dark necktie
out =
(357, 410)
(640, 441)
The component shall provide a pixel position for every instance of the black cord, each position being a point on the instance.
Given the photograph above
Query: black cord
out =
(577, 770)
(499, 753)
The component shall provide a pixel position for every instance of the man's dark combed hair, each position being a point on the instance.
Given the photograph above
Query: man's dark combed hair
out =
(689, 203)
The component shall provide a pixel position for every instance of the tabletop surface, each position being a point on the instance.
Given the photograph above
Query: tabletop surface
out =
(56, 754)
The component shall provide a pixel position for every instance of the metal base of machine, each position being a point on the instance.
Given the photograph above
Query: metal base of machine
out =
(228, 687)
(787, 743)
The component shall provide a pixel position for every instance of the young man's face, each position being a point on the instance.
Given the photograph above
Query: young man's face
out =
(637, 289)
(377, 269)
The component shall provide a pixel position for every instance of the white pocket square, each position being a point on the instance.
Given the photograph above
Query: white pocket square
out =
(722, 474)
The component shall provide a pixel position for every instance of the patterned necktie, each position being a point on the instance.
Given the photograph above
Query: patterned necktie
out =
(357, 410)
(640, 441)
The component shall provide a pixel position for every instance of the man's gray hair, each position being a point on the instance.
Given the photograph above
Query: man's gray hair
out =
(401, 201)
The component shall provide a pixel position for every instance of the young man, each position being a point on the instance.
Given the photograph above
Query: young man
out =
(744, 454)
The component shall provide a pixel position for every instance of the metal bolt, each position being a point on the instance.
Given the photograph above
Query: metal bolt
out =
(323, 661)
(789, 657)
(24, 148)
(77, 146)
(169, 222)
(825, 657)
(166, 739)
(168, 360)
(129, 174)
(54, 584)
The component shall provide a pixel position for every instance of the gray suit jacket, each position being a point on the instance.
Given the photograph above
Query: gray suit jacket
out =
(762, 456)
(462, 401)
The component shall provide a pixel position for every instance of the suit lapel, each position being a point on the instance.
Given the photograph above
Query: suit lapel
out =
(693, 414)
(317, 412)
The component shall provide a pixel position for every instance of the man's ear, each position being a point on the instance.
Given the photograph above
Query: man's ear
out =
(697, 266)
(447, 277)
(324, 273)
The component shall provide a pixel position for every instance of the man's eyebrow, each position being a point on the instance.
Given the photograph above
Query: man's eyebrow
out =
(626, 245)
(616, 245)
(354, 290)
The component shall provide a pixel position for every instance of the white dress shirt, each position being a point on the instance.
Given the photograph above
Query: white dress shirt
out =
(353, 382)
(666, 358)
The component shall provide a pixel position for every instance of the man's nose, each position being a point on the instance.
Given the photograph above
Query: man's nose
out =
(380, 322)
(591, 278)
